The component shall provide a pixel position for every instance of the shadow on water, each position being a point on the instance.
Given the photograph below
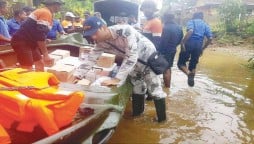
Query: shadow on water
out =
(219, 109)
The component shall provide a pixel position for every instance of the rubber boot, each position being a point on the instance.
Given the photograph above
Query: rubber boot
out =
(191, 81)
(191, 76)
(138, 106)
(160, 106)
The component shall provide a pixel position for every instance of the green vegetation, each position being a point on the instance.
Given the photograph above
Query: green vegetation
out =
(78, 7)
(234, 19)
(235, 24)
(232, 14)
(250, 28)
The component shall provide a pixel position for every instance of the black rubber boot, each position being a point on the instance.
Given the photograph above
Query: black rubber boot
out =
(160, 106)
(138, 101)
(191, 79)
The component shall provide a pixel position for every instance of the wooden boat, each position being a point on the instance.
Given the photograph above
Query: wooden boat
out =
(97, 118)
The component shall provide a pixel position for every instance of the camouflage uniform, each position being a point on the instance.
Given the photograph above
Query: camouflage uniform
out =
(133, 46)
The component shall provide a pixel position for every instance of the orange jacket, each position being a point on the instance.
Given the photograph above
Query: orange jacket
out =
(29, 106)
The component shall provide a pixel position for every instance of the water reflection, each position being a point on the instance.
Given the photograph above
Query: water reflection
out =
(249, 91)
(247, 112)
(219, 109)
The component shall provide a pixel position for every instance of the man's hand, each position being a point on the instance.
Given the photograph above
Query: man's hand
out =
(48, 61)
(48, 41)
(111, 82)
(4, 39)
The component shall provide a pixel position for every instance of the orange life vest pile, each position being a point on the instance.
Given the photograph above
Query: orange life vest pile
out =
(4, 137)
(33, 98)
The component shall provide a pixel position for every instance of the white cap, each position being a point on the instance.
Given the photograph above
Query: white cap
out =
(70, 14)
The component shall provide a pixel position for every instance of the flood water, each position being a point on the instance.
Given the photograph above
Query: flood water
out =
(219, 109)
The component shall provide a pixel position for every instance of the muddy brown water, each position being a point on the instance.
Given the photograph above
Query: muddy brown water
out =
(219, 109)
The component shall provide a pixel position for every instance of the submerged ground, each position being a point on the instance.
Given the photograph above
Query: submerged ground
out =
(219, 109)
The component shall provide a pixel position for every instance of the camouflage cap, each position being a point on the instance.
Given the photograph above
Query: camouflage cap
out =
(49, 2)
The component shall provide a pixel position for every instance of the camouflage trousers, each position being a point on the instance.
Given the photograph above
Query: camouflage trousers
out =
(144, 79)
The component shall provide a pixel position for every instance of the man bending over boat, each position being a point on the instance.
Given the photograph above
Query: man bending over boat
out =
(125, 41)
(29, 42)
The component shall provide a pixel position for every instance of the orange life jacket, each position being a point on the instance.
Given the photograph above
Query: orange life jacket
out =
(45, 85)
(23, 105)
(4, 137)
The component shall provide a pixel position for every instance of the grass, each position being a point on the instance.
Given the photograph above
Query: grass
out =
(229, 39)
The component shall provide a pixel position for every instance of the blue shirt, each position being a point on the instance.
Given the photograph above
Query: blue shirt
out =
(4, 29)
(13, 26)
(200, 29)
(172, 35)
(55, 28)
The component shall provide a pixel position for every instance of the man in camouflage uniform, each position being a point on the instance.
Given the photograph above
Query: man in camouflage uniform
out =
(125, 41)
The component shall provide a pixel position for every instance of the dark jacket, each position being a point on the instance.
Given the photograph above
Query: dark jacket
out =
(172, 35)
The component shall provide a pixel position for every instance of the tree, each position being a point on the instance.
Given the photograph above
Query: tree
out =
(232, 13)
(167, 4)
(78, 6)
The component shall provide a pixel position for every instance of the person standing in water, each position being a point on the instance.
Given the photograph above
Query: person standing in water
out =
(192, 45)
(125, 41)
